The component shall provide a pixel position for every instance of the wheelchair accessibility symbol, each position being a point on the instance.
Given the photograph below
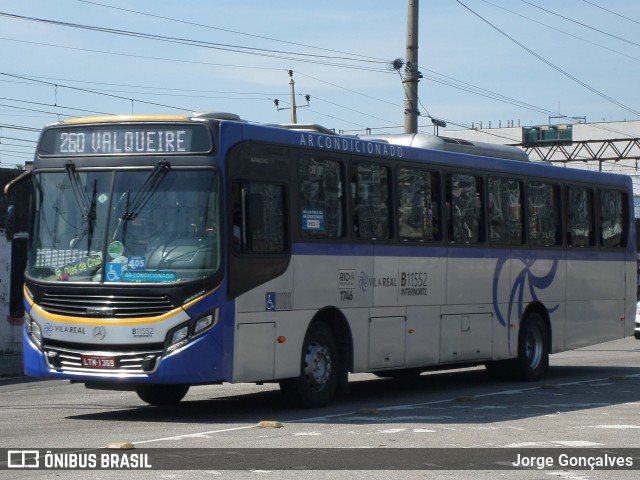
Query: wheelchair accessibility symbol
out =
(114, 272)
(270, 303)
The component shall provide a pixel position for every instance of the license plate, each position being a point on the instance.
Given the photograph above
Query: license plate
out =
(98, 361)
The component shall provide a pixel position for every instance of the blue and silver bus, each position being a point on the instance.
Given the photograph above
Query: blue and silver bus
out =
(172, 251)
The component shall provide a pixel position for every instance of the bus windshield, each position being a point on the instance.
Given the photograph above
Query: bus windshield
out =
(137, 226)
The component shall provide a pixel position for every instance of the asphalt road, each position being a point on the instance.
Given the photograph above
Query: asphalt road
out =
(590, 400)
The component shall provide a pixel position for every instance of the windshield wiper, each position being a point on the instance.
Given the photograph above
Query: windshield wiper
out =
(91, 217)
(87, 207)
(147, 189)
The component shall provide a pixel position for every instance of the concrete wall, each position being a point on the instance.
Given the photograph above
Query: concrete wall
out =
(10, 327)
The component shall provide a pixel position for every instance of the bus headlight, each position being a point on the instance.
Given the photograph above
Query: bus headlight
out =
(188, 331)
(180, 335)
(33, 329)
(203, 324)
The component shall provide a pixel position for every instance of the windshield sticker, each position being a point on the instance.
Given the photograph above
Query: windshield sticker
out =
(115, 249)
(313, 219)
(114, 272)
(103, 198)
(136, 263)
(148, 276)
(133, 271)
(82, 266)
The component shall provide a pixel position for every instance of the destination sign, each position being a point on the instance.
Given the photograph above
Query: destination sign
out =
(144, 139)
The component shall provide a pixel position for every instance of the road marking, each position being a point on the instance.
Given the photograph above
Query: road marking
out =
(411, 406)
(195, 435)
(615, 427)
(576, 443)
(568, 475)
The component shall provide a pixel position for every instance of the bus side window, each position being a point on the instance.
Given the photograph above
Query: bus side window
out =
(613, 218)
(505, 211)
(465, 212)
(259, 218)
(544, 214)
(371, 201)
(580, 215)
(322, 199)
(418, 213)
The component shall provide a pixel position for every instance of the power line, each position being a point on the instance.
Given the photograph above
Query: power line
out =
(137, 100)
(4, 144)
(46, 105)
(611, 11)
(2, 137)
(15, 151)
(261, 37)
(493, 95)
(18, 127)
(315, 97)
(547, 62)
(302, 57)
(94, 92)
(129, 55)
(581, 24)
(562, 31)
(147, 87)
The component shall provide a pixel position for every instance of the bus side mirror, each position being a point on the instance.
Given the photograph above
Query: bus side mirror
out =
(10, 223)
(15, 192)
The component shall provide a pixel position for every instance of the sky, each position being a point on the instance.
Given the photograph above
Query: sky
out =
(483, 62)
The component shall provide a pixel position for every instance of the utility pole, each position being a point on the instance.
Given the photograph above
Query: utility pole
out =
(293, 107)
(294, 114)
(412, 76)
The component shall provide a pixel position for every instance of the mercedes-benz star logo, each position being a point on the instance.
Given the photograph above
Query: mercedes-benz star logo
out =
(99, 333)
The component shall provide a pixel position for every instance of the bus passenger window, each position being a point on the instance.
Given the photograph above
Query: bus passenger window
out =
(418, 213)
(371, 200)
(465, 218)
(613, 218)
(580, 225)
(544, 214)
(505, 211)
(322, 198)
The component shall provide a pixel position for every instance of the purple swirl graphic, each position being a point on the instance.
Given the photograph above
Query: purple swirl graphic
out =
(516, 297)
(363, 281)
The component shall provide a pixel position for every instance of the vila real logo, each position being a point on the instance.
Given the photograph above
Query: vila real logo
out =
(365, 281)
(49, 329)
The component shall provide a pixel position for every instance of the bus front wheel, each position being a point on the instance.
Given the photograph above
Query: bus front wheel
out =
(316, 386)
(162, 394)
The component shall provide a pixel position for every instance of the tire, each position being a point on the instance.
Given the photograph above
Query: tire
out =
(533, 349)
(162, 394)
(319, 370)
(636, 334)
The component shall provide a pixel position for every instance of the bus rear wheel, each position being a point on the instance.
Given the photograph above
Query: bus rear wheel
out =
(533, 353)
(317, 384)
(533, 349)
(162, 394)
